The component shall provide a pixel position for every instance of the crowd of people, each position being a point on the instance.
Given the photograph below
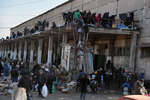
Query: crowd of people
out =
(39, 26)
(112, 78)
(30, 78)
(125, 20)
(52, 76)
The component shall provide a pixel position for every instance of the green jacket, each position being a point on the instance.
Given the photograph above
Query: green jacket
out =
(77, 15)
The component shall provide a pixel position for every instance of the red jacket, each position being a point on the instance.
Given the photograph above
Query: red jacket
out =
(98, 18)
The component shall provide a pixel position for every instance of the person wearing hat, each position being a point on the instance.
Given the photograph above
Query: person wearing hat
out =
(84, 82)
(25, 82)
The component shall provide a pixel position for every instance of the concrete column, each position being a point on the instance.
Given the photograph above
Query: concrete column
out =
(64, 42)
(6, 54)
(15, 51)
(0, 51)
(19, 53)
(12, 52)
(50, 50)
(31, 51)
(40, 51)
(4, 51)
(9, 51)
(133, 51)
(111, 51)
(25, 51)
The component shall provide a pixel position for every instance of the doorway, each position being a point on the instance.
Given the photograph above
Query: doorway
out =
(99, 61)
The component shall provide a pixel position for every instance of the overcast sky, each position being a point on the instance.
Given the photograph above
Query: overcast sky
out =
(14, 12)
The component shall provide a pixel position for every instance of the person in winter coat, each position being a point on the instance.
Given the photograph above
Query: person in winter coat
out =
(36, 69)
(50, 77)
(78, 80)
(76, 15)
(14, 74)
(7, 69)
(41, 81)
(84, 81)
(35, 72)
(98, 19)
(93, 18)
(22, 67)
(25, 82)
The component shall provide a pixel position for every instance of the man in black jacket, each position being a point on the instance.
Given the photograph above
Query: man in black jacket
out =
(50, 80)
(14, 74)
(25, 82)
(41, 80)
(84, 81)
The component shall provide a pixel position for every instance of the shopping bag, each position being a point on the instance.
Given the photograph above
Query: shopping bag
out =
(19, 94)
(44, 91)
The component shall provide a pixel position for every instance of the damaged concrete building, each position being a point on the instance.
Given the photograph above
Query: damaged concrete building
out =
(129, 49)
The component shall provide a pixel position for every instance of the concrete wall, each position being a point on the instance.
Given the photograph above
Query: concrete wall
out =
(143, 64)
(121, 61)
(120, 42)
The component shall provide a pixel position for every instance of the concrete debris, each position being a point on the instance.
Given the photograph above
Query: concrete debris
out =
(67, 87)
(6, 87)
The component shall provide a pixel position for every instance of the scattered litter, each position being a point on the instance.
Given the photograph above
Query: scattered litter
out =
(6, 87)
(61, 99)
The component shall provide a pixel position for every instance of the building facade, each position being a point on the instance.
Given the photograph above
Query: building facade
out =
(127, 49)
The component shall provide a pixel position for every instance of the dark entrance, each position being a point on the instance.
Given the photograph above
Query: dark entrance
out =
(100, 58)
(45, 51)
(99, 61)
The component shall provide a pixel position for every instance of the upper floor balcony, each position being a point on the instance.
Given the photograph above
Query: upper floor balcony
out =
(99, 22)
(124, 23)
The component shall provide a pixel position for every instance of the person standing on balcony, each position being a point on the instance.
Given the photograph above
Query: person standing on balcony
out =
(89, 17)
(98, 19)
(76, 15)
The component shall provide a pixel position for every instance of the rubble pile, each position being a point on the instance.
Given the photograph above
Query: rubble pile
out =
(3, 87)
(67, 87)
